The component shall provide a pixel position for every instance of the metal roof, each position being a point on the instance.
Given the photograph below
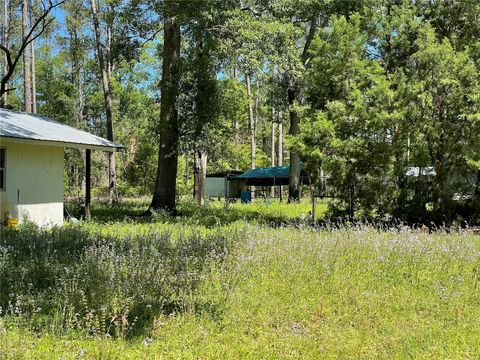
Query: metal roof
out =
(270, 176)
(223, 174)
(25, 127)
(271, 172)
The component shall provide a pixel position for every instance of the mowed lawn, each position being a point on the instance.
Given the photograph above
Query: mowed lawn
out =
(260, 292)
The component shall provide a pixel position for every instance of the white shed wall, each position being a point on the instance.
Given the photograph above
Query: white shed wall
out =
(34, 183)
(215, 187)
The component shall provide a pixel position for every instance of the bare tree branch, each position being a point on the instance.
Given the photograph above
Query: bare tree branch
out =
(311, 34)
(152, 36)
(36, 30)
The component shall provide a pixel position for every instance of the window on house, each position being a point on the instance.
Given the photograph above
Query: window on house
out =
(2, 169)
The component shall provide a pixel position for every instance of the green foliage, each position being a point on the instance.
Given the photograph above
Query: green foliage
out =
(387, 93)
(446, 110)
(347, 135)
(378, 89)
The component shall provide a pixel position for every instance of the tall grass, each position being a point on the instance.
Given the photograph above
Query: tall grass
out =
(238, 289)
(78, 278)
(214, 213)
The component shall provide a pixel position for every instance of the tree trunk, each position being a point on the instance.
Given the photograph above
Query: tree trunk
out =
(236, 137)
(280, 139)
(293, 94)
(165, 185)
(272, 145)
(27, 86)
(5, 40)
(294, 175)
(109, 50)
(186, 175)
(200, 175)
(477, 185)
(256, 122)
(132, 149)
(251, 124)
(112, 188)
(14, 54)
(280, 147)
(34, 80)
(251, 128)
(351, 203)
(79, 101)
(401, 179)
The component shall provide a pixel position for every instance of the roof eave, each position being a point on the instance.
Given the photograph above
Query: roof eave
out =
(62, 144)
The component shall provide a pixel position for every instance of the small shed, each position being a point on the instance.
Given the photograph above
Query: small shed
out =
(31, 165)
(224, 184)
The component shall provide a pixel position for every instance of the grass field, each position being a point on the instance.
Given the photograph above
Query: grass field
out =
(246, 282)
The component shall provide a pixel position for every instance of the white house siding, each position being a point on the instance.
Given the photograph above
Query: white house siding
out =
(34, 183)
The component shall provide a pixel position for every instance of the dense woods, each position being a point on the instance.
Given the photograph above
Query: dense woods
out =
(379, 101)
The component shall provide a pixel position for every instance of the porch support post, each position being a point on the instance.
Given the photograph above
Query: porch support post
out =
(88, 185)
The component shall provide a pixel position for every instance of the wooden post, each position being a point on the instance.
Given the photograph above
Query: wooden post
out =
(88, 162)
(225, 189)
(350, 201)
(273, 189)
(312, 191)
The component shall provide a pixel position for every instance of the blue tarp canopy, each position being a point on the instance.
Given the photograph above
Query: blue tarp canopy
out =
(265, 173)
(270, 176)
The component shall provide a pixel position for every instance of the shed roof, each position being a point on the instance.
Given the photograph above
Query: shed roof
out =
(223, 174)
(28, 128)
(270, 176)
(266, 173)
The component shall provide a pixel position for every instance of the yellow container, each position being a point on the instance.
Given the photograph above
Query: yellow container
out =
(11, 223)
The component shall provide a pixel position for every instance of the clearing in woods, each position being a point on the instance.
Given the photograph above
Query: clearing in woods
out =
(242, 282)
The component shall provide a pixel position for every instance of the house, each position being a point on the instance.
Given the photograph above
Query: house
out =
(31, 165)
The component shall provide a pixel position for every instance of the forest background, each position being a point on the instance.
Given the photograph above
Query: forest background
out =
(369, 97)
